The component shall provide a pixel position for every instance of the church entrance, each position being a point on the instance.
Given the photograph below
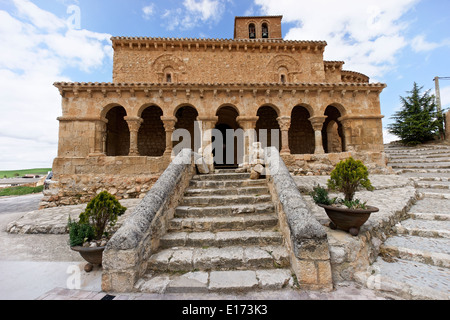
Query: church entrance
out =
(228, 139)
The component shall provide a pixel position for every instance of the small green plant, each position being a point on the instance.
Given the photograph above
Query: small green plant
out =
(79, 233)
(103, 211)
(354, 204)
(348, 176)
(320, 196)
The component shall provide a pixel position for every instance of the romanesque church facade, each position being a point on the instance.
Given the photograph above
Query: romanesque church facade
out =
(118, 136)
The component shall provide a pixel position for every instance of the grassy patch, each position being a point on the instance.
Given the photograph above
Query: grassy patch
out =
(20, 191)
(21, 173)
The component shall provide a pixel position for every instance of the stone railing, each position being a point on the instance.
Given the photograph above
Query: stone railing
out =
(306, 238)
(126, 255)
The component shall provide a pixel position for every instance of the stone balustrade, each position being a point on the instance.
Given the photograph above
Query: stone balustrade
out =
(126, 255)
(306, 238)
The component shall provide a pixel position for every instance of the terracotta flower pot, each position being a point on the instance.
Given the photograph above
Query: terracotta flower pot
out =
(348, 219)
(92, 255)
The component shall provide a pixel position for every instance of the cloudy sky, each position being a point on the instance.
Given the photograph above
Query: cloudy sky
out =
(395, 42)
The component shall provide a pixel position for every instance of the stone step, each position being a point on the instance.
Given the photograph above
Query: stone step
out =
(408, 156)
(219, 259)
(234, 210)
(432, 251)
(427, 176)
(220, 239)
(441, 206)
(205, 201)
(422, 172)
(228, 191)
(417, 161)
(215, 224)
(430, 216)
(424, 228)
(409, 280)
(229, 170)
(216, 281)
(434, 194)
(439, 185)
(222, 176)
(437, 165)
(227, 183)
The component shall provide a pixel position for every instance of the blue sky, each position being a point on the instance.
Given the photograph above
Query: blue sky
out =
(394, 42)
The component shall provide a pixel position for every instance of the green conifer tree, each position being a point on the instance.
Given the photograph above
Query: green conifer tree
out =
(417, 121)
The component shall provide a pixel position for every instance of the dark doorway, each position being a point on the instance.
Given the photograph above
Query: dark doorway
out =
(228, 130)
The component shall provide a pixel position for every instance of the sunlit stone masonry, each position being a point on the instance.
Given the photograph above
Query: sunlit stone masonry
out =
(118, 136)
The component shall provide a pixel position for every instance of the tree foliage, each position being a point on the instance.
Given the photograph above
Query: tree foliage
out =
(348, 176)
(417, 121)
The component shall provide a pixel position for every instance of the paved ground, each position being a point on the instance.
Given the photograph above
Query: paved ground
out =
(41, 266)
(20, 204)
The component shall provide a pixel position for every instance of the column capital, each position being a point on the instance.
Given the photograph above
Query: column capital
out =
(284, 123)
(317, 122)
(247, 122)
(169, 123)
(134, 123)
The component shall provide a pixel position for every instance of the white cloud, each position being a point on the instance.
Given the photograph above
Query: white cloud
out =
(420, 44)
(389, 137)
(193, 13)
(148, 11)
(37, 48)
(367, 35)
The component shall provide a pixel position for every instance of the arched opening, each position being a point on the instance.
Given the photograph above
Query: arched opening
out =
(267, 127)
(265, 31)
(186, 119)
(252, 31)
(152, 135)
(301, 132)
(117, 133)
(332, 132)
(231, 154)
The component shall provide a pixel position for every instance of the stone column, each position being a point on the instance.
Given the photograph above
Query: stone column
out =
(317, 124)
(134, 123)
(285, 125)
(347, 128)
(100, 138)
(248, 124)
(207, 124)
(169, 126)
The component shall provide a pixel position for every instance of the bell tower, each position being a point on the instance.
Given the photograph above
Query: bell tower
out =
(258, 28)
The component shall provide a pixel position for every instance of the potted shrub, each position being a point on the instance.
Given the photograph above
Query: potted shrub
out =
(347, 214)
(91, 233)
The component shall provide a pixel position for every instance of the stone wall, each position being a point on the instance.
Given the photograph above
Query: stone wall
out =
(447, 126)
(126, 255)
(305, 238)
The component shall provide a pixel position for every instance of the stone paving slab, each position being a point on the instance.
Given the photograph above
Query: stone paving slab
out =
(54, 220)
(424, 228)
(410, 280)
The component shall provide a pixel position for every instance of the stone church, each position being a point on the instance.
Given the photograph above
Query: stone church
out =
(118, 136)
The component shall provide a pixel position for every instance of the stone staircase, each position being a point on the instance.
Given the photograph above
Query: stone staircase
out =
(224, 238)
(415, 263)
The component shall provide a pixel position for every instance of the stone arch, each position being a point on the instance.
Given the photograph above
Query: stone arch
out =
(252, 29)
(265, 29)
(117, 131)
(283, 64)
(227, 120)
(301, 132)
(152, 135)
(169, 63)
(267, 121)
(332, 132)
(145, 106)
(228, 106)
(187, 119)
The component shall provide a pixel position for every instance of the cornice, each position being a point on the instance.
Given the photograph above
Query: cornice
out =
(195, 44)
(154, 89)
